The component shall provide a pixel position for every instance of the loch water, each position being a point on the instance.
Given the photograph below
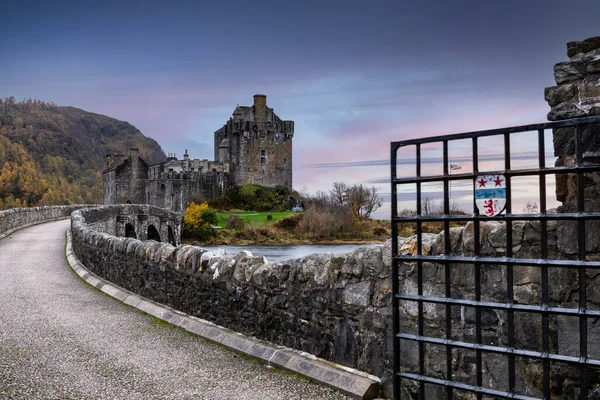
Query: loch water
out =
(287, 252)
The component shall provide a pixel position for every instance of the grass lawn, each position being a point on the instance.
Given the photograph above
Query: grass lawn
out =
(254, 219)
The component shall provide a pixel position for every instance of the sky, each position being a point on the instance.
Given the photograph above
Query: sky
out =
(353, 75)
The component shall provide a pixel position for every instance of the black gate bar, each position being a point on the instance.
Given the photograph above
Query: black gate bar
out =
(419, 374)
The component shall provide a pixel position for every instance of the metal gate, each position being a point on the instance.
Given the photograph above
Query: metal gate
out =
(452, 341)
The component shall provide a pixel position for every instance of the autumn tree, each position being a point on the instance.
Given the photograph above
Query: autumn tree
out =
(198, 220)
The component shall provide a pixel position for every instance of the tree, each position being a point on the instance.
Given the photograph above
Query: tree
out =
(427, 206)
(338, 193)
(198, 220)
(362, 200)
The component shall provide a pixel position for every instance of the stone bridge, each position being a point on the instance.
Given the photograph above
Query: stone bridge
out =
(137, 221)
(61, 340)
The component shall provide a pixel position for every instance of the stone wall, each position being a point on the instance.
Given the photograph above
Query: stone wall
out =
(124, 180)
(175, 190)
(338, 307)
(16, 218)
(333, 306)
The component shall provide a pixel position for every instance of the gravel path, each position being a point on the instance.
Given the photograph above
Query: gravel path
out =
(62, 339)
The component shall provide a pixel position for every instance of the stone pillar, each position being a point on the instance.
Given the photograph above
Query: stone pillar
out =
(577, 94)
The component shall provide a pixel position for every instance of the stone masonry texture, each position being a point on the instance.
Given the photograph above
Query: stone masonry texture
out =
(338, 307)
(335, 307)
(577, 94)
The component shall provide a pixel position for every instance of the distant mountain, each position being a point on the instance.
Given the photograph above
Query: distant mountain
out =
(54, 155)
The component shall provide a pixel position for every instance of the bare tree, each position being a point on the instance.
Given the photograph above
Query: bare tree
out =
(321, 198)
(363, 201)
(373, 202)
(427, 206)
(338, 193)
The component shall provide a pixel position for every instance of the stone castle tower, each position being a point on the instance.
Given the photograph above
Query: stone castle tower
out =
(259, 143)
(254, 146)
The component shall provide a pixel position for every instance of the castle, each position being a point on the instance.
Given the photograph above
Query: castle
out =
(254, 146)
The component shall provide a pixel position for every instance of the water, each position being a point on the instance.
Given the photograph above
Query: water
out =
(286, 252)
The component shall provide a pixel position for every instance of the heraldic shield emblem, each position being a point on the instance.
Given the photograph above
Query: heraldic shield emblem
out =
(490, 194)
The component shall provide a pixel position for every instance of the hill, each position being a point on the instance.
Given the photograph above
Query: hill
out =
(54, 155)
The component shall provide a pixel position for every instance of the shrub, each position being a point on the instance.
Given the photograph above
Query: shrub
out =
(325, 223)
(198, 220)
(379, 231)
(289, 223)
(255, 197)
(235, 222)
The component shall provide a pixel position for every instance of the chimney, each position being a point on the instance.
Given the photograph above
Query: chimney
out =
(109, 160)
(260, 108)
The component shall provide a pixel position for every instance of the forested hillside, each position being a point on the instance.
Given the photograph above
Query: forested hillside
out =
(55, 155)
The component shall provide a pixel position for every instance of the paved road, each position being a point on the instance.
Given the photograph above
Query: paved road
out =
(62, 339)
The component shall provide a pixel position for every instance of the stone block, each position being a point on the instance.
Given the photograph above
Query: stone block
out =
(568, 71)
(585, 46)
(173, 319)
(358, 387)
(262, 351)
(280, 358)
(358, 294)
(592, 64)
(151, 308)
(238, 342)
(132, 300)
(410, 245)
(589, 96)
(559, 94)
(197, 327)
(566, 110)
(215, 333)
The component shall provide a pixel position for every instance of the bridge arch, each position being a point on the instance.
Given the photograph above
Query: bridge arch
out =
(130, 231)
(153, 233)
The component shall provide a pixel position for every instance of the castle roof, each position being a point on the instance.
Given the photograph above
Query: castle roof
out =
(241, 110)
(121, 162)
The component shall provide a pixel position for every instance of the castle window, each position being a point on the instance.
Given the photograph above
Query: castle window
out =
(263, 156)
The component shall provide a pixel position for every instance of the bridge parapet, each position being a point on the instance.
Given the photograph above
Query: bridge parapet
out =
(138, 221)
(17, 218)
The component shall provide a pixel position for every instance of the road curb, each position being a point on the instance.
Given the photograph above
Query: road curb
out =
(349, 381)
